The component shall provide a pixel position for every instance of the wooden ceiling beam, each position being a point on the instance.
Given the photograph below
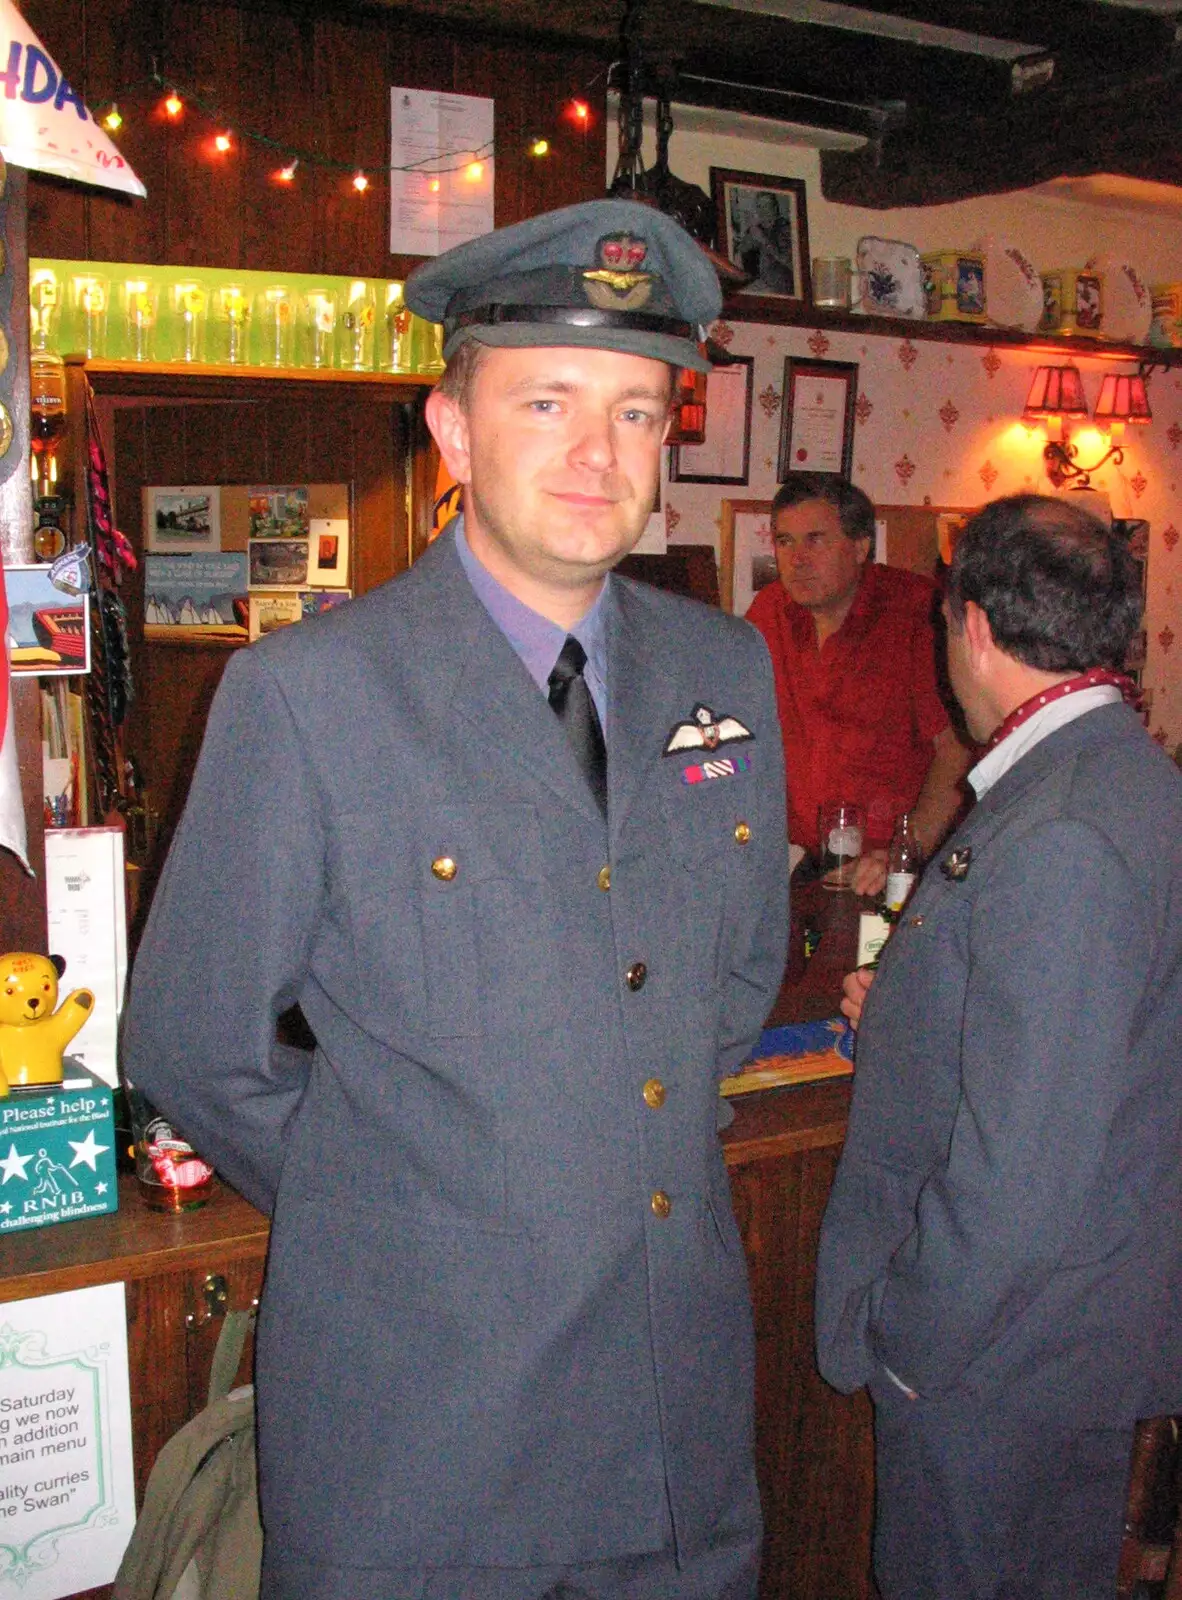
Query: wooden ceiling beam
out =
(932, 161)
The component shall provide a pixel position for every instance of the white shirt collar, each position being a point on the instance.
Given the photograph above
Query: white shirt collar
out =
(1015, 745)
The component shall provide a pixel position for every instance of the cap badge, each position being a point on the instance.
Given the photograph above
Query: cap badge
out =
(616, 284)
(956, 865)
(704, 731)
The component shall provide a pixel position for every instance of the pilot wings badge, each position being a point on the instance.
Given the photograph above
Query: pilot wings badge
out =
(705, 731)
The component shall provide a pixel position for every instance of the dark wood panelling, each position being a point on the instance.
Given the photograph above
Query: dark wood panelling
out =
(318, 82)
(330, 433)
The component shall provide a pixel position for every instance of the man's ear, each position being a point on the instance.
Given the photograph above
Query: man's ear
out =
(448, 423)
(978, 633)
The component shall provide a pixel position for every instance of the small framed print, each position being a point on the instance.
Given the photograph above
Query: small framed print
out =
(763, 228)
(817, 417)
(747, 557)
(48, 632)
(725, 454)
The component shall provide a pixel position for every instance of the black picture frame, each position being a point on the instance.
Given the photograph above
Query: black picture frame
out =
(725, 456)
(763, 228)
(803, 432)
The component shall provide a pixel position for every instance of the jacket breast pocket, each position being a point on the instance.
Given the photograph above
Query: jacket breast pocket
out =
(488, 927)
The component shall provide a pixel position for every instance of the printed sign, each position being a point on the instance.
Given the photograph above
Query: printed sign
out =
(67, 1500)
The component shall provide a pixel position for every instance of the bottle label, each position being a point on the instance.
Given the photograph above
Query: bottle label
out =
(898, 886)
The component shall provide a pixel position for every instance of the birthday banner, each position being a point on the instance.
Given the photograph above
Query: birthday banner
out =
(44, 124)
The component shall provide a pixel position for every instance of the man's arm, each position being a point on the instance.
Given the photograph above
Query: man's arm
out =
(941, 793)
(228, 939)
(755, 978)
(1053, 982)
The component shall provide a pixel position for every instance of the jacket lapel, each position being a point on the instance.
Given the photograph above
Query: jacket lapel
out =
(641, 697)
(506, 711)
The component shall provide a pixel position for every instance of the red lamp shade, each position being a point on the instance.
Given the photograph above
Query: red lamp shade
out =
(1123, 399)
(1056, 392)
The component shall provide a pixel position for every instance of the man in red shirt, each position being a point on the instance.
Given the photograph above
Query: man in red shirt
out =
(854, 653)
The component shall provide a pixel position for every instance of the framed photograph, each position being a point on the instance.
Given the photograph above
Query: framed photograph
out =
(183, 520)
(48, 628)
(817, 417)
(725, 455)
(747, 558)
(763, 229)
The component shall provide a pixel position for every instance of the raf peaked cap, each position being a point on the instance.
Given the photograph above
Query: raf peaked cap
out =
(608, 275)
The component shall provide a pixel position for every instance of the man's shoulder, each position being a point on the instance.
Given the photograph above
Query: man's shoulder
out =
(899, 588)
(691, 624)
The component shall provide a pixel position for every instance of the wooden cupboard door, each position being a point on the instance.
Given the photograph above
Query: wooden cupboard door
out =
(171, 1337)
(814, 1447)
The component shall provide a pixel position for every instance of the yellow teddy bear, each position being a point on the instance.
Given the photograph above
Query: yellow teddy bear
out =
(32, 1035)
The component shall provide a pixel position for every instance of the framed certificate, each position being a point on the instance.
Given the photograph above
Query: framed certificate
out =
(725, 454)
(817, 417)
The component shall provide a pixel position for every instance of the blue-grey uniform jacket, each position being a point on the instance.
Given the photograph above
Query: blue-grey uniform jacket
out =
(481, 1340)
(1006, 1219)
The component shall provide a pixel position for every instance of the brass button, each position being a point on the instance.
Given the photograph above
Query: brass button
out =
(635, 976)
(742, 833)
(916, 922)
(654, 1093)
(661, 1203)
(604, 878)
(444, 868)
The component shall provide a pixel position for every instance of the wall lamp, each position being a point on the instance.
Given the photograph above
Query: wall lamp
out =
(1056, 398)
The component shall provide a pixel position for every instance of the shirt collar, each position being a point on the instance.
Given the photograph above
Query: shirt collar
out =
(1057, 714)
(535, 638)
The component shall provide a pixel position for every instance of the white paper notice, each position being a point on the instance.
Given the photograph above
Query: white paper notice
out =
(67, 1497)
(441, 170)
(87, 908)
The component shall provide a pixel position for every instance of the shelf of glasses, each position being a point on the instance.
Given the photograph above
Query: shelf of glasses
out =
(149, 377)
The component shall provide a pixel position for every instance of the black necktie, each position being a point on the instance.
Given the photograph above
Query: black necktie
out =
(575, 709)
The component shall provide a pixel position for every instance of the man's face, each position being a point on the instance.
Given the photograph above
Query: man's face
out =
(561, 456)
(766, 209)
(819, 564)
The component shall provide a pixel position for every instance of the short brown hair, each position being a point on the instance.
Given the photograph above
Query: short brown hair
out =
(460, 372)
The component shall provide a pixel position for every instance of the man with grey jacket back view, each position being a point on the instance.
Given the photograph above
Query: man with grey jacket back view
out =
(510, 830)
(1001, 1257)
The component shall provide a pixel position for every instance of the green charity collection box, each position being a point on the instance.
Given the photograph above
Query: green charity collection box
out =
(57, 1152)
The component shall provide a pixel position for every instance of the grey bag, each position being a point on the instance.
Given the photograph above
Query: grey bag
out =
(198, 1536)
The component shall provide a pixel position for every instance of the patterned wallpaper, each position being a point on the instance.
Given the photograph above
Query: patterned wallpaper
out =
(938, 424)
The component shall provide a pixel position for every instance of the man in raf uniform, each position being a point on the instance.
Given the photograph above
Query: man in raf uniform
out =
(1001, 1258)
(510, 831)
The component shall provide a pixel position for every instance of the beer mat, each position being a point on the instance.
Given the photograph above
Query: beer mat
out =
(797, 1052)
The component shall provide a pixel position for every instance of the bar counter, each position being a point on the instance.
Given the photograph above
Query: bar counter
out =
(814, 1447)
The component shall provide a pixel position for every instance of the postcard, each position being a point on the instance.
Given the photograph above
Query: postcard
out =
(278, 563)
(183, 520)
(329, 549)
(279, 513)
(204, 594)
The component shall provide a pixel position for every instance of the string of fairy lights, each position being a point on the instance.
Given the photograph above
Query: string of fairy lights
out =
(173, 103)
